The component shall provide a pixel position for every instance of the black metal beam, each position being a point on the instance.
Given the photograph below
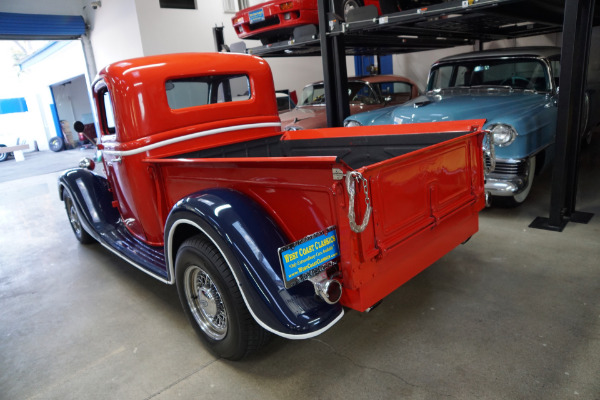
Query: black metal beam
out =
(577, 32)
(334, 70)
(359, 45)
(219, 38)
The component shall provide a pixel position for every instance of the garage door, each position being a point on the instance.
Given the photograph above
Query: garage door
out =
(37, 26)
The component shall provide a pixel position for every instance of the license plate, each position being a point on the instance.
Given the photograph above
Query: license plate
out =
(309, 256)
(256, 16)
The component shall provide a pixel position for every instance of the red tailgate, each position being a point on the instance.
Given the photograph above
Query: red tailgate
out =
(424, 204)
(424, 187)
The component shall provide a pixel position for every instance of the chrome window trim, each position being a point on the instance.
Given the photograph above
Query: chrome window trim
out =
(189, 137)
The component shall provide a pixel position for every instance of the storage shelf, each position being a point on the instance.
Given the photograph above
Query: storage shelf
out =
(449, 24)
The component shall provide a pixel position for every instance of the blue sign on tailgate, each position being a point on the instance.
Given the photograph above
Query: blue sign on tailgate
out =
(308, 256)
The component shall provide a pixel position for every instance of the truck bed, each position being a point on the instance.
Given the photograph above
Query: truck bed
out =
(425, 186)
(356, 151)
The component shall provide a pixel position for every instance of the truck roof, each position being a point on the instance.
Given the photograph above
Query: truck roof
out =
(139, 92)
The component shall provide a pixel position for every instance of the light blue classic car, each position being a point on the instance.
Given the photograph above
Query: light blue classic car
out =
(515, 90)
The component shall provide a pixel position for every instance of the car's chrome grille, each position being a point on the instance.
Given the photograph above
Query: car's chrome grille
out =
(508, 168)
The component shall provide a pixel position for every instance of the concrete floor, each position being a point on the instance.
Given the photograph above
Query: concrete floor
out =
(513, 314)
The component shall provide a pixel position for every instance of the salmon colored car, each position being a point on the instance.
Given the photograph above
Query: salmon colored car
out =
(365, 93)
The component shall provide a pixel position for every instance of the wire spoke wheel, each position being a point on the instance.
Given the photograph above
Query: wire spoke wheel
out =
(73, 216)
(212, 300)
(205, 302)
(75, 220)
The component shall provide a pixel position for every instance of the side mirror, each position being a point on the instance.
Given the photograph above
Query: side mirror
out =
(90, 135)
(78, 126)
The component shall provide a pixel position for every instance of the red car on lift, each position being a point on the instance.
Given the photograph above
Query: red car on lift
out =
(275, 20)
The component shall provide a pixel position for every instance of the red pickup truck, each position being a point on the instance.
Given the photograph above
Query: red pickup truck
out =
(265, 231)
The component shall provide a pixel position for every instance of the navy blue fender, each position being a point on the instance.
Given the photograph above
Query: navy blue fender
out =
(94, 201)
(91, 195)
(248, 239)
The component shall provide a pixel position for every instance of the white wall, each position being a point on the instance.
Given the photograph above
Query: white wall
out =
(172, 31)
(114, 30)
(165, 30)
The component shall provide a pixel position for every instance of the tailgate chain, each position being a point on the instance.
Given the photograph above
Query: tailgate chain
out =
(352, 176)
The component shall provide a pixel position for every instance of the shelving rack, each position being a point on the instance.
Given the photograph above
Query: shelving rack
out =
(455, 23)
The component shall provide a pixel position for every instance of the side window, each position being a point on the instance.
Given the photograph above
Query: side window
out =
(314, 94)
(440, 78)
(398, 88)
(463, 76)
(108, 115)
(361, 93)
(394, 92)
(203, 90)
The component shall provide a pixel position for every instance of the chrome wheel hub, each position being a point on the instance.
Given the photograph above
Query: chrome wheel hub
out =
(74, 218)
(205, 302)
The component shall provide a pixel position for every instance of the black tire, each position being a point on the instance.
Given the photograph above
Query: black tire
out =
(343, 6)
(213, 303)
(75, 221)
(3, 156)
(56, 144)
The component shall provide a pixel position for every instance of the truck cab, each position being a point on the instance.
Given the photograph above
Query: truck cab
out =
(149, 108)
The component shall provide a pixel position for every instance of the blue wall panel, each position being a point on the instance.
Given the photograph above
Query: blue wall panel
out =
(8, 106)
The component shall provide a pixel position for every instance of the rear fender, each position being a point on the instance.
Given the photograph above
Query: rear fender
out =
(248, 240)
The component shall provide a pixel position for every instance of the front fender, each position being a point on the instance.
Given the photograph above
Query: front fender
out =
(91, 194)
(248, 240)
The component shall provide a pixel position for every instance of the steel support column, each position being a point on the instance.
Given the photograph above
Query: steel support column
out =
(577, 32)
(334, 70)
(219, 38)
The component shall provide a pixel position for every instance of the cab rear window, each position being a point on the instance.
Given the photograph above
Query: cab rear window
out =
(203, 90)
